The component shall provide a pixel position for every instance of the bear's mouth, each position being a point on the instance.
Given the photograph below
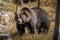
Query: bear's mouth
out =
(19, 23)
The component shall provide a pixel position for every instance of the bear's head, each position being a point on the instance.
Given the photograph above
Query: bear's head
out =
(23, 16)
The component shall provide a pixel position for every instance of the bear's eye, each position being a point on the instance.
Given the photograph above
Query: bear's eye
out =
(24, 13)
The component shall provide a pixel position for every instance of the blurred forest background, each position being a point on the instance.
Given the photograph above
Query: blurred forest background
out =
(48, 5)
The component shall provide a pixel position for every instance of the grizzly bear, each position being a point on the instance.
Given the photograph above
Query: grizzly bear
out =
(36, 19)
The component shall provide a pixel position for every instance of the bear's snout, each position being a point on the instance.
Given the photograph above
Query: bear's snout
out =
(19, 21)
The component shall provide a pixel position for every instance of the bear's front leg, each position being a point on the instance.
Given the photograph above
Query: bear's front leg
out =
(34, 30)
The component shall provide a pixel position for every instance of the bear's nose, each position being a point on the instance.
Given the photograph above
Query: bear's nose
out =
(22, 21)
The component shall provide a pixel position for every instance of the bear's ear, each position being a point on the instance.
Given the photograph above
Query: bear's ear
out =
(16, 16)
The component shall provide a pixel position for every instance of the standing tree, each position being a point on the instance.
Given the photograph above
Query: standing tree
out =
(56, 30)
(38, 3)
(33, 0)
(17, 2)
(25, 1)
